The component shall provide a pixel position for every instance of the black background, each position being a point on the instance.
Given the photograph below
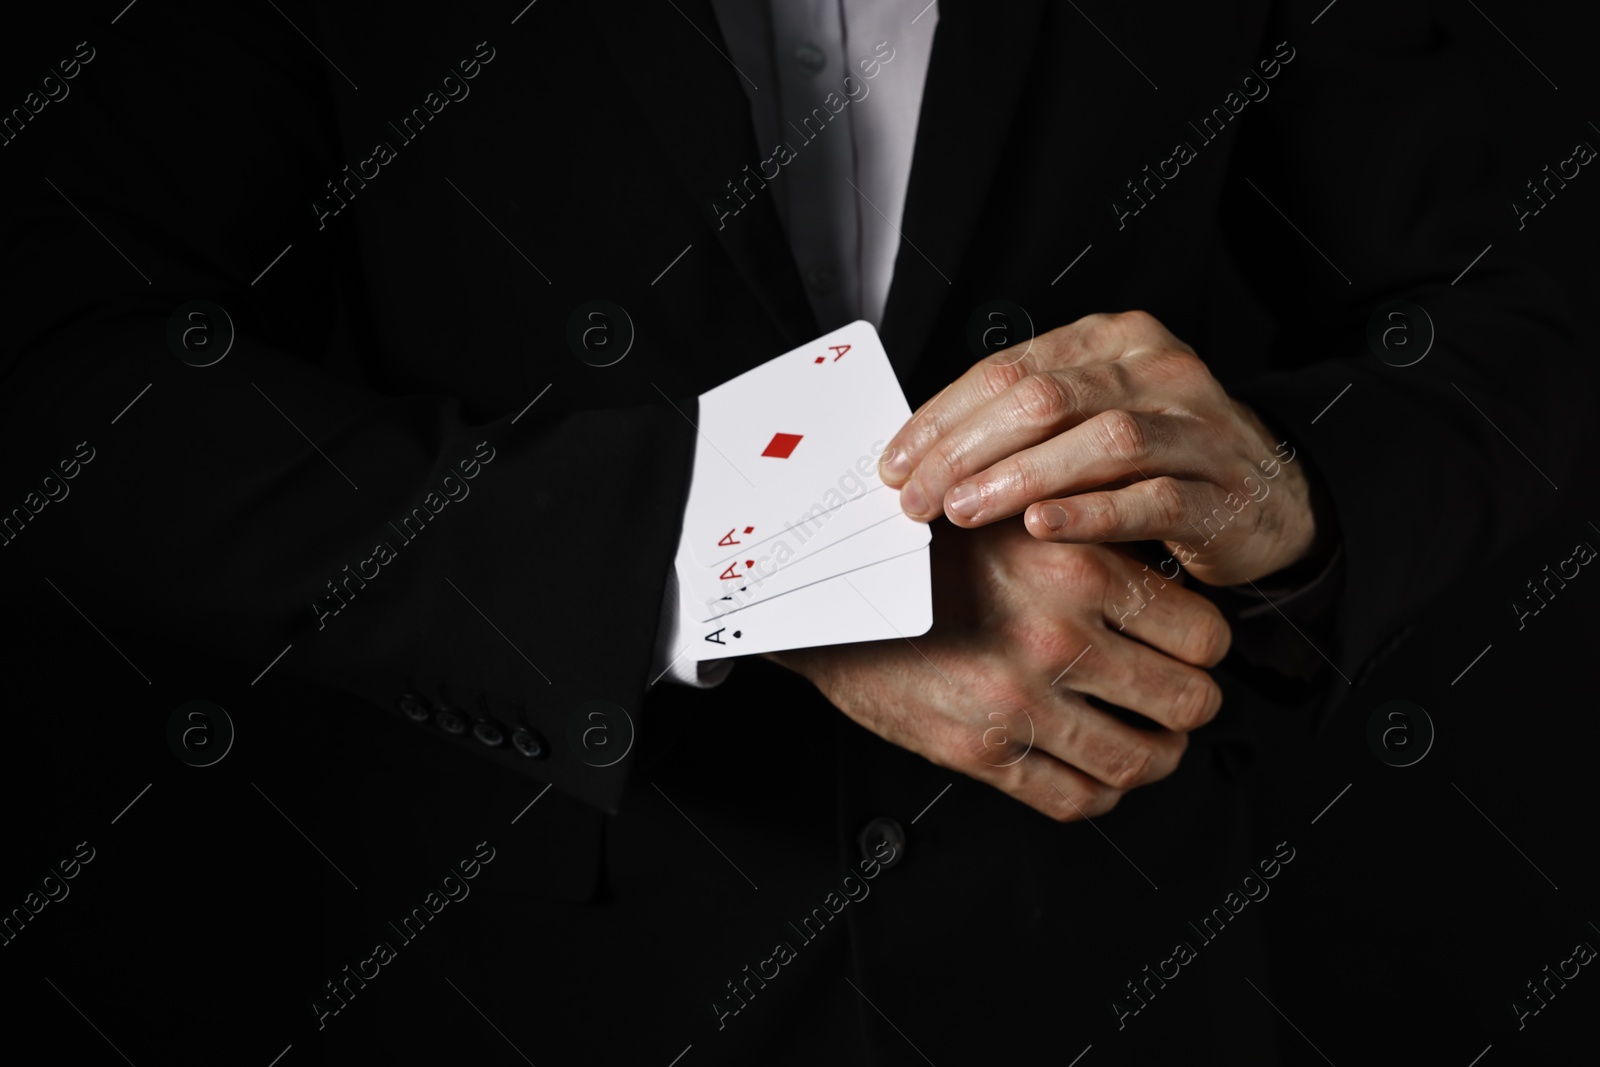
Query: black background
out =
(1401, 936)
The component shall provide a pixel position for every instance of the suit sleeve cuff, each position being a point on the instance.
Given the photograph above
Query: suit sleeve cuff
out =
(1310, 598)
(1285, 628)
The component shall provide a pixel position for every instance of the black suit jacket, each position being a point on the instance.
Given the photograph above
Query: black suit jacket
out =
(403, 223)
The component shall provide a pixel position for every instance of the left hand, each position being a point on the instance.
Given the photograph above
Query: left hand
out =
(987, 691)
(1111, 429)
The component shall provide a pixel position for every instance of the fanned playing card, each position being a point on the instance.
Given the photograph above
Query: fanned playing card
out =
(787, 523)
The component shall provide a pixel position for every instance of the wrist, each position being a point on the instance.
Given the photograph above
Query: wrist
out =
(1306, 524)
(1315, 528)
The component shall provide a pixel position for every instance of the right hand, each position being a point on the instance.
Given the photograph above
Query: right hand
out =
(983, 692)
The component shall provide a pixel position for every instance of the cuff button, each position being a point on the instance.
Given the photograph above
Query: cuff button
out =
(529, 743)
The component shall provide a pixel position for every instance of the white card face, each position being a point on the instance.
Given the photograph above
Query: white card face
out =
(791, 442)
(770, 572)
(884, 601)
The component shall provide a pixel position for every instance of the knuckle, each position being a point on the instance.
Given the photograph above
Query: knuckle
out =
(1208, 638)
(1002, 739)
(998, 377)
(1027, 475)
(944, 462)
(1134, 768)
(1187, 360)
(1003, 752)
(1169, 747)
(1099, 800)
(1082, 798)
(1137, 328)
(1125, 432)
(1181, 366)
(1137, 318)
(926, 423)
(1095, 326)
(1091, 336)
(1167, 505)
(1068, 807)
(1048, 349)
(1040, 399)
(1103, 513)
(1063, 813)
(1067, 732)
(1195, 702)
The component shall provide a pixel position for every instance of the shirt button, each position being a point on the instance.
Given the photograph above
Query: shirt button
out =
(809, 58)
(821, 279)
(878, 837)
(487, 733)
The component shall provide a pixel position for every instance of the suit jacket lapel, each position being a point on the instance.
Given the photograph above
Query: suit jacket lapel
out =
(968, 102)
(694, 101)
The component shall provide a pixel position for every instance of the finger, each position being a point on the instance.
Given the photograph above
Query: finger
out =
(1087, 340)
(982, 383)
(1153, 607)
(1054, 788)
(1108, 445)
(1131, 675)
(1069, 728)
(1151, 509)
(1105, 748)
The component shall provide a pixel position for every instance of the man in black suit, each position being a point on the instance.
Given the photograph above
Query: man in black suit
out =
(478, 536)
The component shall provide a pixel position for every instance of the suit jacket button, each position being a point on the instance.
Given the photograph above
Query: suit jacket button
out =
(487, 733)
(529, 743)
(414, 707)
(878, 836)
(449, 720)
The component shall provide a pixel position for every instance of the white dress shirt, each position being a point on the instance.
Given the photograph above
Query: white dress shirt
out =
(839, 84)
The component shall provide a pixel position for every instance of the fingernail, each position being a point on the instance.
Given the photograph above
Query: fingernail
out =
(912, 502)
(965, 501)
(895, 465)
(1054, 516)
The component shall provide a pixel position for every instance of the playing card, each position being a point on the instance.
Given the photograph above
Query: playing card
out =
(791, 448)
(769, 572)
(886, 600)
(789, 539)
